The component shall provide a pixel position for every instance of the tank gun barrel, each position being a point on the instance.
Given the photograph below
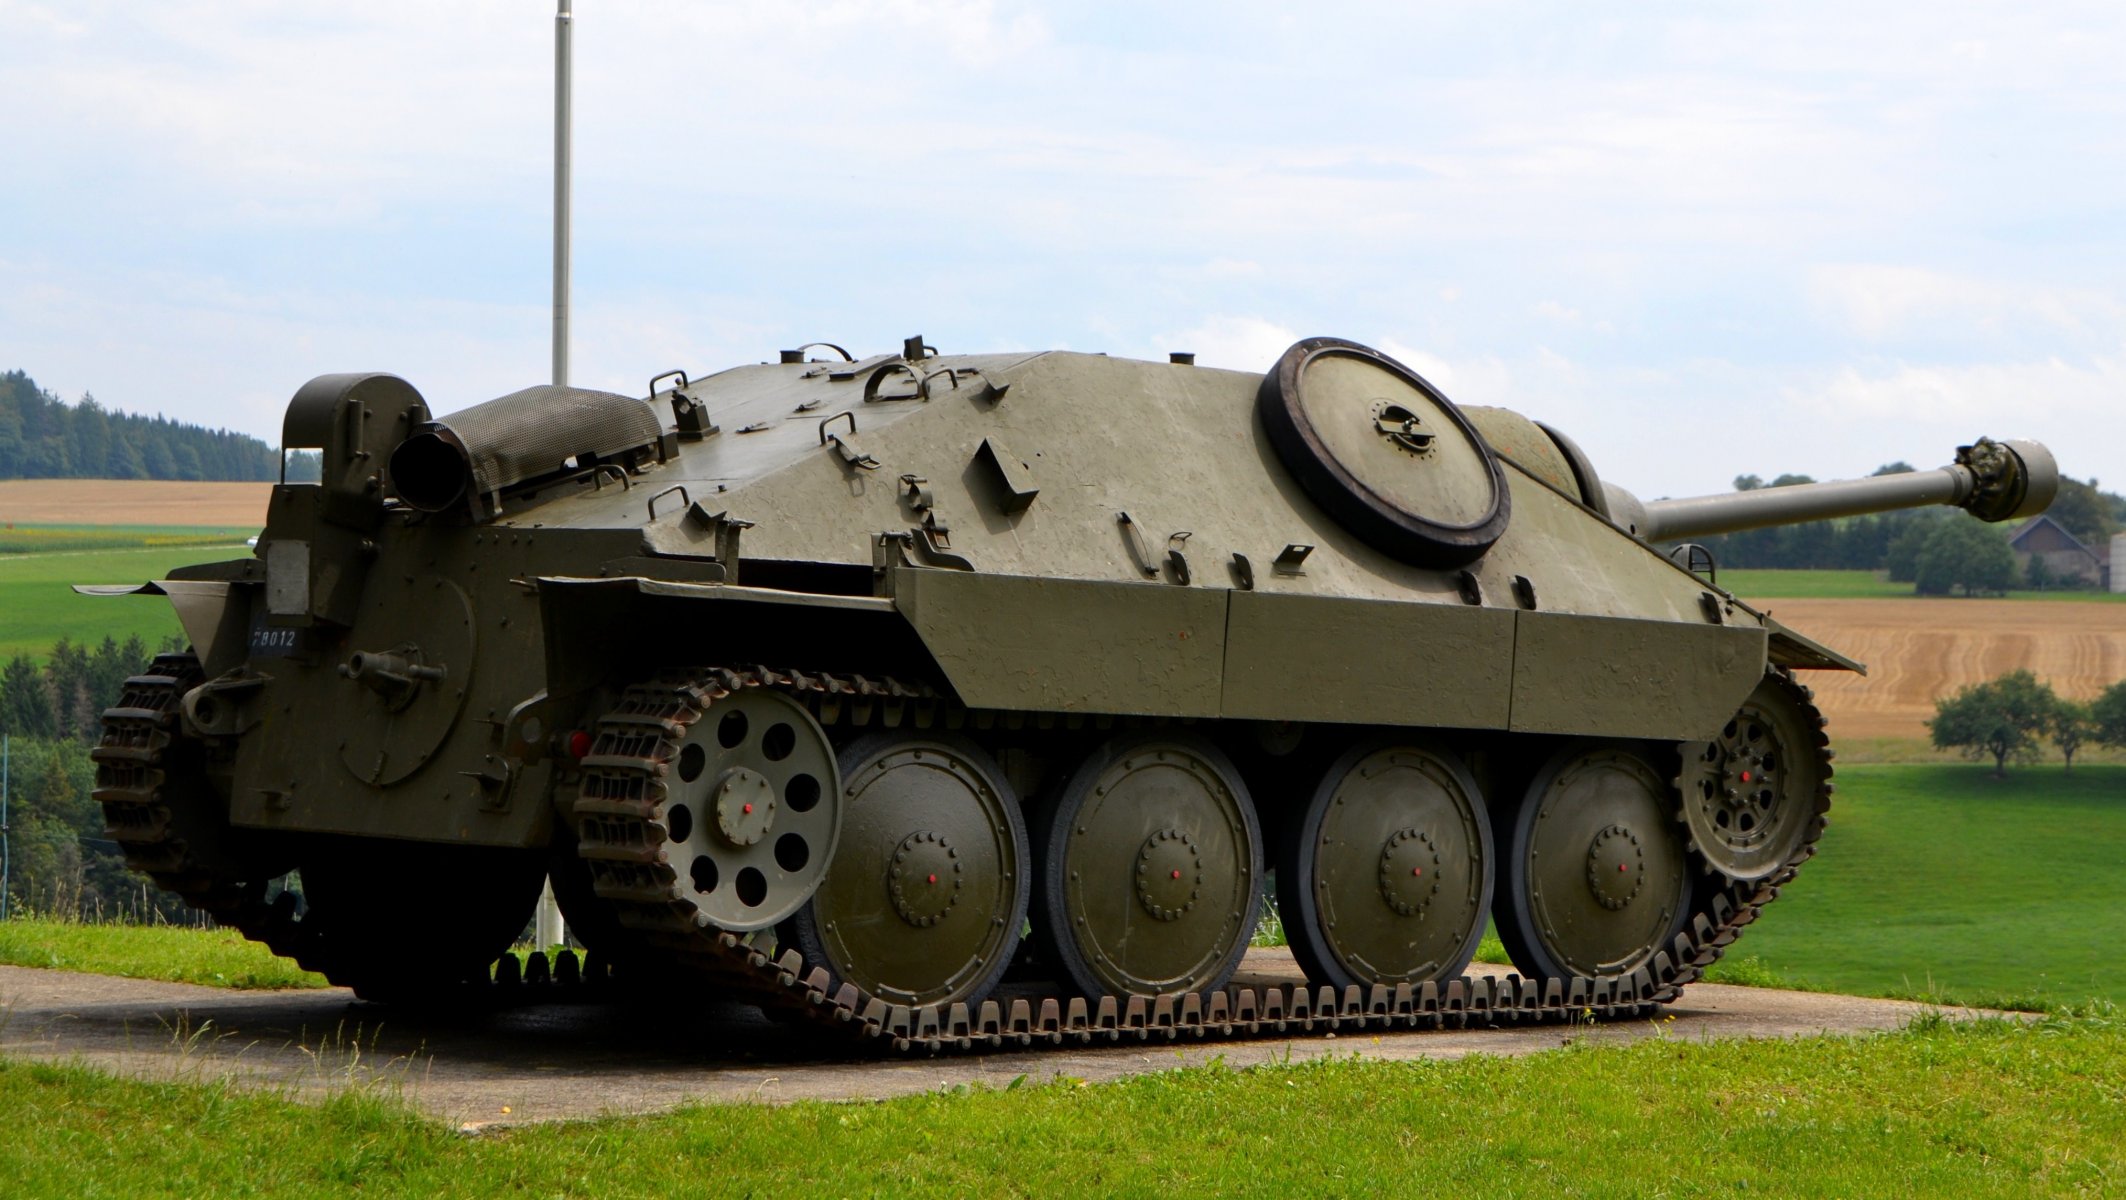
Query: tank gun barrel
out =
(1994, 481)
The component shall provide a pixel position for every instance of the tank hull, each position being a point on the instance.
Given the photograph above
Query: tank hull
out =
(1081, 643)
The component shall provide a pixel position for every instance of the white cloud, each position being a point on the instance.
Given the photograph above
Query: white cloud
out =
(1605, 219)
(1233, 342)
(1880, 302)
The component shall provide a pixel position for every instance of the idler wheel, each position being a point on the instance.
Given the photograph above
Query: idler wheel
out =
(1753, 795)
(1388, 877)
(1384, 452)
(749, 812)
(926, 896)
(1597, 876)
(1151, 869)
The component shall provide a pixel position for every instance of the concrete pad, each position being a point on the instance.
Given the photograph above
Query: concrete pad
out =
(571, 1061)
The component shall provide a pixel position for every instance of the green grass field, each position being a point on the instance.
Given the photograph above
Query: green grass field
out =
(1978, 1110)
(37, 608)
(1857, 585)
(1941, 881)
(178, 954)
(50, 539)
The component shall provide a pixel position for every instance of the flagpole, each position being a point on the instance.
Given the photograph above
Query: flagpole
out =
(549, 929)
(564, 23)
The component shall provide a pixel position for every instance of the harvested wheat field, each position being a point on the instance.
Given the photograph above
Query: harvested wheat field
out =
(1920, 650)
(132, 502)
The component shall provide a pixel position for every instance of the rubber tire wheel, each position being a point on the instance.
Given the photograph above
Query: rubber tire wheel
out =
(1510, 911)
(802, 930)
(1053, 941)
(1296, 900)
(1405, 535)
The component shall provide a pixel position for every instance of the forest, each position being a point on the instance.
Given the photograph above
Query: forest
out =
(58, 858)
(44, 437)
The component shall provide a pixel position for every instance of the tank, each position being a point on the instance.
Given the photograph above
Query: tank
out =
(983, 699)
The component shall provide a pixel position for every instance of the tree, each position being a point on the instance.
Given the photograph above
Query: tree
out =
(26, 708)
(2004, 717)
(2038, 575)
(2108, 712)
(1965, 554)
(1902, 556)
(2072, 725)
(2082, 511)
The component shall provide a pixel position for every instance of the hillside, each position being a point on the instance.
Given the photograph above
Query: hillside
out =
(44, 437)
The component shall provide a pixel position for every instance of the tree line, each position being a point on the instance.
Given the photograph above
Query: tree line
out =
(59, 858)
(44, 437)
(2009, 718)
(1898, 542)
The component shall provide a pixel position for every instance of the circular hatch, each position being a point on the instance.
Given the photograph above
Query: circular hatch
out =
(1386, 453)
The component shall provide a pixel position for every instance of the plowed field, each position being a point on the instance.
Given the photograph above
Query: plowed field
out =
(1918, 650)
(132, 502)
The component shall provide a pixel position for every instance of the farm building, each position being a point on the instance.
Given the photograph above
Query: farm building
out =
(2067, 561)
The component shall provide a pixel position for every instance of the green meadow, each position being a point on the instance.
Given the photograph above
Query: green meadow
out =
(38, 607)
(1939, 881)
(1859, 585)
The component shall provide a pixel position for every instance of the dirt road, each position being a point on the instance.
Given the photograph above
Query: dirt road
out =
(562, 1062)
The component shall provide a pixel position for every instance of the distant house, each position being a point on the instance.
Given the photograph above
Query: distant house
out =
(2067, 560)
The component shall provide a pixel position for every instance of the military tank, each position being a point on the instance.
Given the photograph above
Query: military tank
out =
(976, 699)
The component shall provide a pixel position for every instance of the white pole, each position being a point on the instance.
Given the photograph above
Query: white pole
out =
(564, 23)
(548, 928)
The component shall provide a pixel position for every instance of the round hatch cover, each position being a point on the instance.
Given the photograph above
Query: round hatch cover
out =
(1386, 453)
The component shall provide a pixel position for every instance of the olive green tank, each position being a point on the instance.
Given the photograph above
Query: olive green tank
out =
(974, 699)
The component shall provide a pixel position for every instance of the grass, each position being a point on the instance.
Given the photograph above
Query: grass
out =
(1788, 585)
(37, 608)
(49, 539)
(1978, 1109)
(174, 953)
(1941, 882)
(1859, 585)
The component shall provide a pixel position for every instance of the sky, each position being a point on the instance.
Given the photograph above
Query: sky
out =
(1704, 239)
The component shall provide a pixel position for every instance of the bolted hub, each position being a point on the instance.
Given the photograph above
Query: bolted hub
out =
(1615, 867)
(924, 879)
(1409, 872)
(745, 806)
(1169, 874)
(1746, 790)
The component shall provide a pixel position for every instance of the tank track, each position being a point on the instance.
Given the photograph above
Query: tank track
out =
(135, 788)
(140, 789)
(623, 781)
(620, 836)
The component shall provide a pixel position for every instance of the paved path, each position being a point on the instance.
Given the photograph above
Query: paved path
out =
(557, 1062)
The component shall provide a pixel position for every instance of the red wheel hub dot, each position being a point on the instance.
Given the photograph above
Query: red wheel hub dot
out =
(933, 879)
(747, 809)
(1622, 868)
(579, 744)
